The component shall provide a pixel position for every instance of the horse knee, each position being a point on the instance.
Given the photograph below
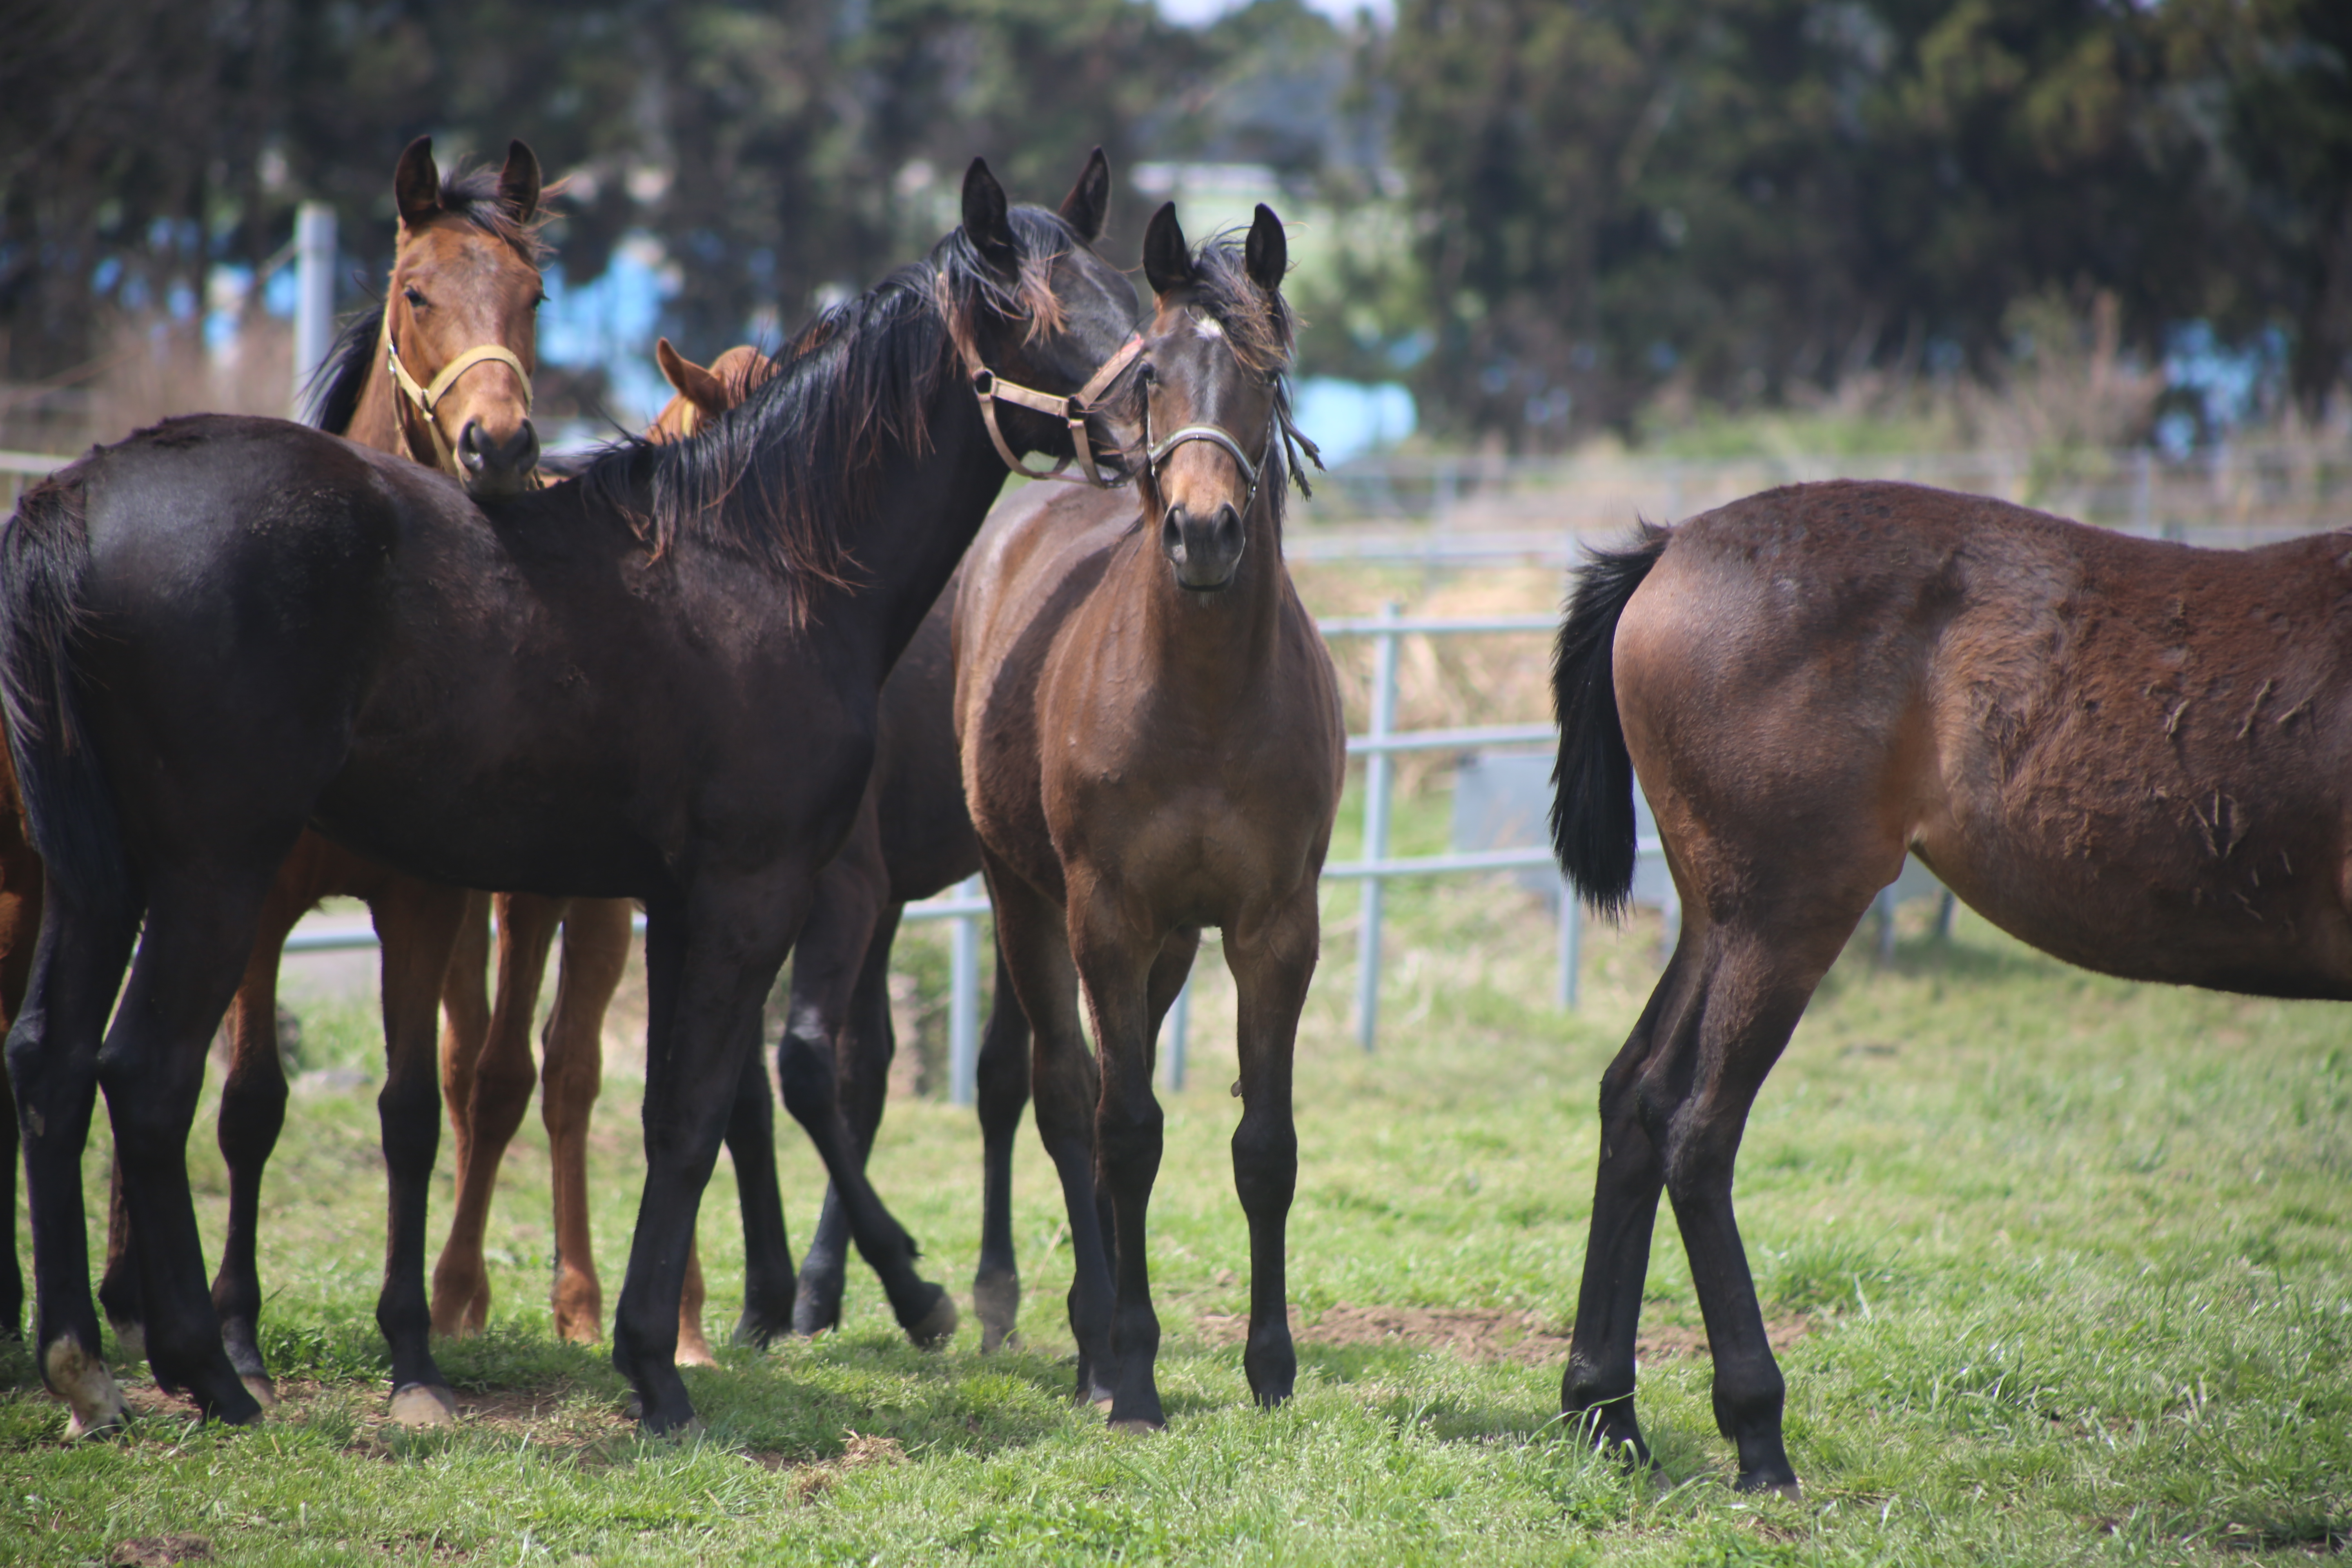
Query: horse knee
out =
(1265, 1164)
(1129, 1140)
(804, 1073)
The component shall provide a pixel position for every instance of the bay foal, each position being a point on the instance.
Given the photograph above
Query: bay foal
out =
(2134, 755)
(1151, 742)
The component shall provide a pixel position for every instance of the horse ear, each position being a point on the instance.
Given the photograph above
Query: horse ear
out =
(1088, 206)
(518, 180)
(1167, 259)
(1266, 255)
(417, 184)
(984, 219)
(694, 383)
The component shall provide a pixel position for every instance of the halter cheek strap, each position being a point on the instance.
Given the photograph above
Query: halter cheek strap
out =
(427, 398)
(1072, 410)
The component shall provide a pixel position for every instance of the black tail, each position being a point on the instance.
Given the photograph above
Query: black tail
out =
(44, 555)
(1593, 804)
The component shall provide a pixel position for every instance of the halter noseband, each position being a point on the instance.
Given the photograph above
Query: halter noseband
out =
(427, 397)
(1158, 452)
(1072, 410)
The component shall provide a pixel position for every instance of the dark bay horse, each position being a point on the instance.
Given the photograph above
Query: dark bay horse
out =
(2134, 755)
(441, 374)
(657, 681)
(486, 1065)
(1151, 742)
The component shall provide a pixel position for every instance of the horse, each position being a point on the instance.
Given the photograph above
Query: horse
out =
(2131, 754)
(440, 374)
(1151, 742)
(656, 681)
(486, 1065)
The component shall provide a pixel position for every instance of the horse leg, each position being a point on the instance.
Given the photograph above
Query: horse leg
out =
(466, 1011)
(818, 1060)
(710, 957)
(1596, 1389)
(500, 1092)
(192, 955)
(769, 1284)
(1117, 972)
(1751, 992)
(252, 1114)
(53, 1076)
(596, 939)
(418, 924)
(812, 1093)
(1003, 1084)
(20, 926)
(1033, 952)
(1273, 960)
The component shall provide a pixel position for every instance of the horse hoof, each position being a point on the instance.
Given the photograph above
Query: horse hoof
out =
(1099, 1397)
(1138, 1427)
(695, 1352)
(264, 1392)
(938, 1325)
(1752, 1482)
(82, 1381)
(421, 1404)
(754, 1333)
(995, 1337)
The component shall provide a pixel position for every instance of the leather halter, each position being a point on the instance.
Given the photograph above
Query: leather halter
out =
(1072, 410)
(427, 397)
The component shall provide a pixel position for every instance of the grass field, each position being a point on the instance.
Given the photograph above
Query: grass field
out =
(2062, 1263)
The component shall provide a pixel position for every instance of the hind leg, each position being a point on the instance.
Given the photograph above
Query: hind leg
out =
(20, 929)
(192, 955)
(53, 1049)
(824, 1052)
(500, 1089)
(1003, 1084)
(769, 1284)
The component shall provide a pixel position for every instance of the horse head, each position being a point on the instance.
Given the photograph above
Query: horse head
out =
(459, 325)
(1209, 384)
(704, 392)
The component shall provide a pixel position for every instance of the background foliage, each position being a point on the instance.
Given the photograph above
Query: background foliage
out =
(1549, 212)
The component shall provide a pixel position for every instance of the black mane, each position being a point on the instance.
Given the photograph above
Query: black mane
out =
(330, 397)
(788, 476)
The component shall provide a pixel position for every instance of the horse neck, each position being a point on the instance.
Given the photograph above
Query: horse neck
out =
(929, 505)
(1215, 647)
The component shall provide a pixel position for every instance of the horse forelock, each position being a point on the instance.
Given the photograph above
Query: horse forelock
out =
(471, 192)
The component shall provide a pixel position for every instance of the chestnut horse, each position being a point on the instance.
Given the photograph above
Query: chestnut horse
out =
(658, 681)
(2132, 754)
(441, 374)
(485, 1067)
(1151, 742)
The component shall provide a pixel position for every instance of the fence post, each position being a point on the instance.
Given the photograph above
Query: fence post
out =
(1377, 768)
(314, 292)
(1176, 1033)
(963, 1002)
(1571, 944)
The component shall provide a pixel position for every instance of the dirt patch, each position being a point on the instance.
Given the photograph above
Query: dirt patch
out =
(1528, 1338)
(156, 1550)
(814, 1482)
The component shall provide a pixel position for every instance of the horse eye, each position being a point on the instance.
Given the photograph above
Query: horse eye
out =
(414, 296)
(1145, 374)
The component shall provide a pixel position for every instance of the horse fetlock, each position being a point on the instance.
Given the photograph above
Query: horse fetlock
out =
(1272, 1367)
(578, 1299)
(816, 1304)
(417, 1406)
(996, 1297)
(79, 1377)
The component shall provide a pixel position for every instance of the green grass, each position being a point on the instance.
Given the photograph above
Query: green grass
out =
(2072, 1254)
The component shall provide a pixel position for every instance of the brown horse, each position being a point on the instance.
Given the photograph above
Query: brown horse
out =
(440, 374)
(1152, 743)
(2134, 756)
(486, 1065)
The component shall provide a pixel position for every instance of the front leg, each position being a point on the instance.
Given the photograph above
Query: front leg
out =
(1273, 960)
(711, 956)
(1115, 968)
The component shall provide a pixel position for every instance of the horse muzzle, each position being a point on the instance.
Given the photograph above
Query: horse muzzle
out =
(1205, 550)
(491, 467)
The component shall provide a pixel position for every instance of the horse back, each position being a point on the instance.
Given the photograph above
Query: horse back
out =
(2128, 753)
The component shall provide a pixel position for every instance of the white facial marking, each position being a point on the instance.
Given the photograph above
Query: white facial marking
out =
(1207, 327)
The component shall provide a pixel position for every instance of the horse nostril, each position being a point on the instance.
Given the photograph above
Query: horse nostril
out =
(1172, 533)
(469, 443)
